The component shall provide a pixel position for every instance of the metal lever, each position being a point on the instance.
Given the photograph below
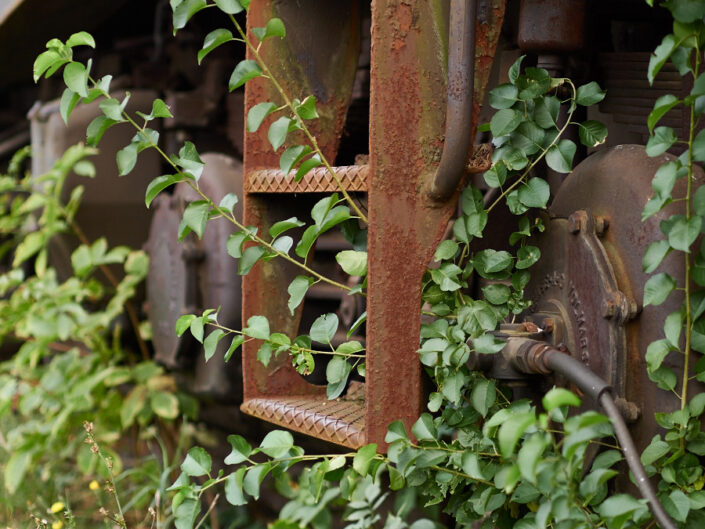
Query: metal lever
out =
(460, 93)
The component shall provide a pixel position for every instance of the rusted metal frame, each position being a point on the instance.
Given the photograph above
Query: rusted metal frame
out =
(460, 89)
(323, 63)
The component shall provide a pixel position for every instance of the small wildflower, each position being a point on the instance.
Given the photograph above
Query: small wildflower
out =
(103, 511)
(58, 524)
(57, 507)
(88, 426)
(94, 485)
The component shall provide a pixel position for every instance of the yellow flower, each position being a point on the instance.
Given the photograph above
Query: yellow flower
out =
(57, 524)
(93, 485)
(57, 507)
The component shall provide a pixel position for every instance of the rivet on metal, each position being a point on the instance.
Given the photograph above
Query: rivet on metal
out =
(577, 221)
(601, 225)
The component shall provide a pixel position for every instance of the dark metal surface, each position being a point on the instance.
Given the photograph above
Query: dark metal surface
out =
(551, 25)
(613, 186)
(460, 88)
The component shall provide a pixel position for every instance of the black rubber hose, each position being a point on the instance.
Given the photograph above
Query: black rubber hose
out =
(599, 390)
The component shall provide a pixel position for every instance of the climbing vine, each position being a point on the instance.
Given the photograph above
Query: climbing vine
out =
(478, 454)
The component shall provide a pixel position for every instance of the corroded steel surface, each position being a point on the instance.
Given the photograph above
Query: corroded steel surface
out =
(408, 77)
(318, 180)
(406, 124)
(551, 25)
(603, 184)
(341, 421)
(319, 56)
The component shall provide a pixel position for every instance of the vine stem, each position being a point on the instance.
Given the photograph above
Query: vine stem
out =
(539, 158)
(230, 217)
(688, 313)
(311, 138)
(293, 348)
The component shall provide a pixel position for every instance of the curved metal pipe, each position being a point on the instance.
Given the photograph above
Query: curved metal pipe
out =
(460, 94)
(532, 356)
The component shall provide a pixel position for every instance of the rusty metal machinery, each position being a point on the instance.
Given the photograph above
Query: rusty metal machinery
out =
(192, 275)
(404, 220)
(589, 282)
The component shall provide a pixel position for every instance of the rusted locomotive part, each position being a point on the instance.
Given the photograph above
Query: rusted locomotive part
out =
(405, 69)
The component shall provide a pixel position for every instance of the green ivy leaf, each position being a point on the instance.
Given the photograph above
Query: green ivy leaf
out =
(504, 96)
(515, 70)
(241, 450)
(253, 479)
(313, 162)
(277, 443)
(352, 262)
(197, 463)
(529, 456)
(592, 133)
(483, 394)
(48, 61)
(363, 458)
(496, 175)
(424, 429)
(505, 121)
(244, 71)
(238, 340)
(257, 114)
(249, 258)
(307, 108)
(164, 404)
(96, 129)
(557, 397)
(661, 140)
(292, 156)
(698, 147)
(324, 328)
(257, 327)
(511, 431)
(677, 505)
(534, 193)
(546, 112)
(274, 28)
(278, 132)
(183, 323)
(196, 215)
(661, 54)
(158, 185)
(657, 289)
(527, 256)
(16, 468)
(497, 293)
(337, 372)
(297, 290)
(686, 11)
(214, 39)
(559, 157)
(69, 100)
(661, 107)
(184, 11)
(589, 94)
(76, 78)
(231, 7)
(654, 255)
(233, 488)
(211, 342)
(683, 233)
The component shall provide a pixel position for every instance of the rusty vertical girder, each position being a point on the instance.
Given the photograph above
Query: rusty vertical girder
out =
(406, 123)
(407, 115)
